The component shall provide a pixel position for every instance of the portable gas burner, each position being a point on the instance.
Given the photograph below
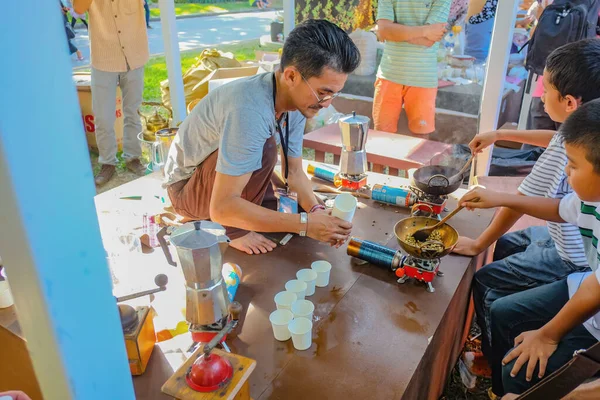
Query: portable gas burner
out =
(403, 266)
(420, 269)
(422, 262)
(428, 205)
(431, 186)
(421, 203)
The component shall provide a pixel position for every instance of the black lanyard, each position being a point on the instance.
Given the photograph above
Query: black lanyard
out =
(284, 143)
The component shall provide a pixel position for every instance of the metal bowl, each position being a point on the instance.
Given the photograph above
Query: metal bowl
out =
(424, 177)
(408, 226)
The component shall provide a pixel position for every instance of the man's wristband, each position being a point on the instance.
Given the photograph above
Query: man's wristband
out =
(316, 207)
(304, 220)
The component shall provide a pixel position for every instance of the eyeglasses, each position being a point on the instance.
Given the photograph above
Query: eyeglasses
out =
(319, 99)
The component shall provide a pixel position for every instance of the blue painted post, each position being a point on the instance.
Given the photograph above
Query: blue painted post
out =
(49, 237)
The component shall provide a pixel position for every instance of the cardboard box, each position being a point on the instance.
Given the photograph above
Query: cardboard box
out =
(226, 73)
(84, 93)
(262, 55)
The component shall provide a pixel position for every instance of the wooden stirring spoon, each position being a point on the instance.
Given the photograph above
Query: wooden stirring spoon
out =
(422, 234)
(455, 178)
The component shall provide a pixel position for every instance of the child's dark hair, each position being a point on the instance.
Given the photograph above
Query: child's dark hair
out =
(582, 129)
(574, 69)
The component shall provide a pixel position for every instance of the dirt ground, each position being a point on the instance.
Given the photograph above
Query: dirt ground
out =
(122, 176)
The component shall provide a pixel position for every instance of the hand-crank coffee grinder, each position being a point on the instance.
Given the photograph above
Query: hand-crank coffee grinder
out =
(138, 327)
(353, 161)
(200, 247)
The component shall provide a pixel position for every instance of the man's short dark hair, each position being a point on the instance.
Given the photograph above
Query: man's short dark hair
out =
(317, 43)
(574, 69)
(582, 129)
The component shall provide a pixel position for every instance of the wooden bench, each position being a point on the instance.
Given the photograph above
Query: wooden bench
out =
(396, 151)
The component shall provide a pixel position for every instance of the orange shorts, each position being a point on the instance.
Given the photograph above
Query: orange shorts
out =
(418, 102)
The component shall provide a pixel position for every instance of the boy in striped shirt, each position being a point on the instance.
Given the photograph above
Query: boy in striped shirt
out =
(537, 255)
(408, 71)
(547, 324)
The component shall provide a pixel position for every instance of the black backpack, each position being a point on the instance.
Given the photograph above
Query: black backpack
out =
(563, 22)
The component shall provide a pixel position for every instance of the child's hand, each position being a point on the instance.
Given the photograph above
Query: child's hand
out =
(480, 198)
(482, 141)
(531, 347)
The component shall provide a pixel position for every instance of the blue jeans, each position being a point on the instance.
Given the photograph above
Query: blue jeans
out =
(526, 311)
(478, 38)
(147, 12)
(522, 260)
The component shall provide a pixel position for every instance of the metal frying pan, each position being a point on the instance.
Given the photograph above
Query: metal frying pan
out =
(434, 179)
(408, 226)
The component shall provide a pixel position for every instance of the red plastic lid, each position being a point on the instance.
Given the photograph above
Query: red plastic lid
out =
(208, 374)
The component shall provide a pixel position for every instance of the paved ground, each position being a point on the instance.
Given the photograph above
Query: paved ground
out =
(197, 32)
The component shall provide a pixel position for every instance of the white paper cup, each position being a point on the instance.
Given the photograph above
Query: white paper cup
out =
(284, 300)
(323, 270)
(297, 287)
(280, 319)
(6, 299)
(301, 330)
(303, 309)
(310, 277)
(344, 206)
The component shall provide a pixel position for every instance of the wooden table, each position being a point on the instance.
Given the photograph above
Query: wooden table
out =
(372, 338)
(396, 151)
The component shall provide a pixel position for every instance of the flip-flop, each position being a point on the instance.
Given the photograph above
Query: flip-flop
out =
(477, 364)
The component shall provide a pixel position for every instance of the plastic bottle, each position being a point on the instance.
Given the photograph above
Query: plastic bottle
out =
(456, 30)
(449, 46)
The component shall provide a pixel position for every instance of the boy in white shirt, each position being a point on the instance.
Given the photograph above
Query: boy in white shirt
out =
(547, 324)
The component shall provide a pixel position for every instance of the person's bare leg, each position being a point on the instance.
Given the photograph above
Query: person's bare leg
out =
(253, 243)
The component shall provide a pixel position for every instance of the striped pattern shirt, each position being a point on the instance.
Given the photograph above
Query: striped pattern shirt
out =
(405, 63)
(587, 217)
(118, 37)
(548, 179)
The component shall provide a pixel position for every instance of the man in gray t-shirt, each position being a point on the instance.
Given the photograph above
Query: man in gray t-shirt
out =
(220, 164)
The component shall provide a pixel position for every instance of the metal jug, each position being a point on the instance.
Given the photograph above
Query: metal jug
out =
(354, 131)
(353, 160)
(200, 246)
(155, 121)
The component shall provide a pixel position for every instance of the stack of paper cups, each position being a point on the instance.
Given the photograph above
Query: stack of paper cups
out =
(310, 277)
(323, 270)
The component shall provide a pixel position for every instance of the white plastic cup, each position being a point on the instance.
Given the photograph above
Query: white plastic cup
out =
(303, 309)
(344, 206)
(6, 299)
(323, 270)
(301, 330)
(280, 319)
(284, 300)
(297, 287)
(310, 277)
